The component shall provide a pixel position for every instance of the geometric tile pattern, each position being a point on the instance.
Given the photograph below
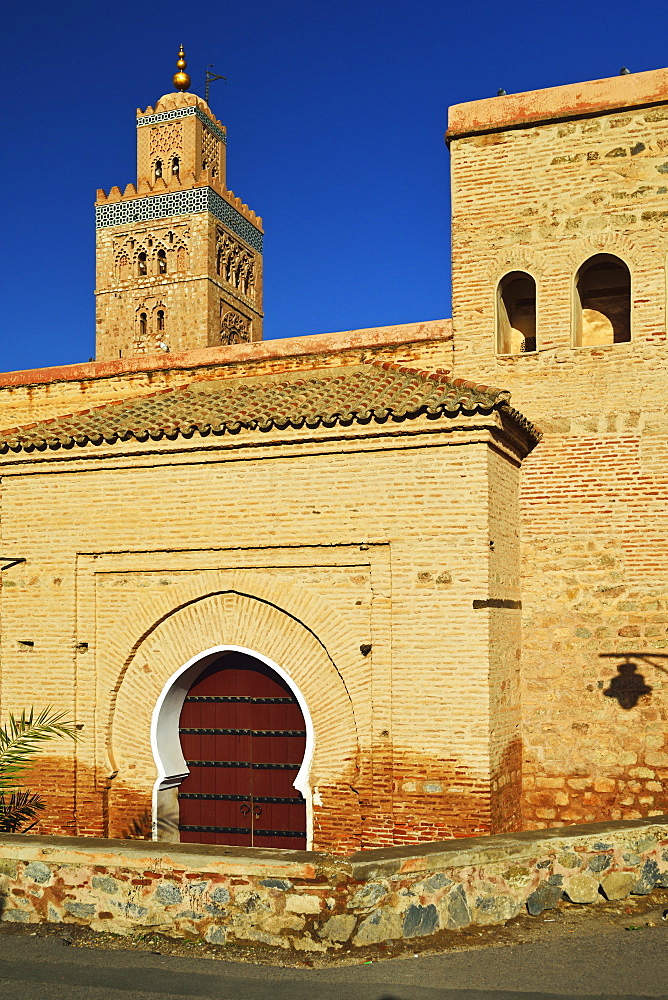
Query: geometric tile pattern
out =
(170, 116)
(190, 202)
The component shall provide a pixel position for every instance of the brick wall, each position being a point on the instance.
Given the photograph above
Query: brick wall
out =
(302, 547)
(543, 196)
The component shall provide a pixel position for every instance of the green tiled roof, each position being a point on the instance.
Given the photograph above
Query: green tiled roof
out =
(325, 396)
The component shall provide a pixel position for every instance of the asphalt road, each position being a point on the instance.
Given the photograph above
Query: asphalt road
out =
(615, 964)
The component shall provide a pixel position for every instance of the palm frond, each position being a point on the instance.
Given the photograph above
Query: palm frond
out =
(17, 809)
(21, 738)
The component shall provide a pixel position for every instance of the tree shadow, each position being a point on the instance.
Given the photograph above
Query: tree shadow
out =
(629, 686)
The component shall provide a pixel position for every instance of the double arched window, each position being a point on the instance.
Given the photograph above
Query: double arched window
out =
(601, 307)
(602, 302)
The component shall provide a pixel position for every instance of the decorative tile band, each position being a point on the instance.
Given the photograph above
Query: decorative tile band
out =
(170, 116)
(161, 206)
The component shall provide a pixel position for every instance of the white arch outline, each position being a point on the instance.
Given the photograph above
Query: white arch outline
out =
(169, 759)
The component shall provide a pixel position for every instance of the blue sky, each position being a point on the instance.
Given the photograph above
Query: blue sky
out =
(335, 116)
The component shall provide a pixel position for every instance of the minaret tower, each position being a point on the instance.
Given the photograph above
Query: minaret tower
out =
(179, 257)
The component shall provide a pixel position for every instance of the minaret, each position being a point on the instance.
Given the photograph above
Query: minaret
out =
(179, 257)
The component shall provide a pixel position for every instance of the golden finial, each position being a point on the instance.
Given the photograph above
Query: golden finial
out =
(181, 80)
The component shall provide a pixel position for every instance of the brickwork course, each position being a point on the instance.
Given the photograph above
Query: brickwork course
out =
(475, 614)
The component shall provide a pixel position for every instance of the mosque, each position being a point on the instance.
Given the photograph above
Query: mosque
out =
(365, 588)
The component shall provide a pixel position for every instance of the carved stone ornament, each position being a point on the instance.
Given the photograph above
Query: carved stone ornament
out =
(234, 329)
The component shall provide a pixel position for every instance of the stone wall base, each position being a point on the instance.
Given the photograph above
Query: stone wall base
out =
(310, 901)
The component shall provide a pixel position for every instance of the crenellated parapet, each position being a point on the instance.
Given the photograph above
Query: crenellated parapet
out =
(164, 185)
(176, 100)
(174, 107)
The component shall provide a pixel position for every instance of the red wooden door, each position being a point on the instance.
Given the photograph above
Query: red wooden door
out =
(243, 737)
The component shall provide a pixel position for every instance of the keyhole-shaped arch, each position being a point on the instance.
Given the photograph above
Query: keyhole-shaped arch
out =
(166, 745)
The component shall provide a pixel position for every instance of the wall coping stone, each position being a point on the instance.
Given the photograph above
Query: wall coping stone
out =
(160, 854)
(212, 357)
(573, 100)
(384, 861)
(471, 851)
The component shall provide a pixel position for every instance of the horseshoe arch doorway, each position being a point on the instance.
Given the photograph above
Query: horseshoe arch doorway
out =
(244, 739)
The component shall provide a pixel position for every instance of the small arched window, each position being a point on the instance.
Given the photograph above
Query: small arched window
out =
(142, 325)
(602, 313)
(158, 169)
(141, 263)
(160, 321)
(516, 314)
(175, 166)
(162, 262)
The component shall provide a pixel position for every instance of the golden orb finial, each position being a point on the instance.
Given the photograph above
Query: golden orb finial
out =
(181, 80)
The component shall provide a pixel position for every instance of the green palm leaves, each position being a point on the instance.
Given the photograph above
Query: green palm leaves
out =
(21, 739)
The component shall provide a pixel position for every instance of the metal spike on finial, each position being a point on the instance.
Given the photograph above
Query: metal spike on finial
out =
(624, 71)
(181, 80)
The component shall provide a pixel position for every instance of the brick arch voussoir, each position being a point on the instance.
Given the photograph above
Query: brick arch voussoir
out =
(298, 633)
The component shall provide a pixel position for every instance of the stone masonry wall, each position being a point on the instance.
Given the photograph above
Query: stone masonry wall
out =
(310, 902)
(543, 198)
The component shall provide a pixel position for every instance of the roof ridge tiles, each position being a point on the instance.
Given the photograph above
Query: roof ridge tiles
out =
(443, 378)
(315, 397)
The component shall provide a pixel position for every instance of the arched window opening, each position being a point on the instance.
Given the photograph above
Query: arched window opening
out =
(175, 166)
(158, 169)
(602, 302)
(160, 321)
(141, 263)
(142, 325)
(516, 314)
(162, 262)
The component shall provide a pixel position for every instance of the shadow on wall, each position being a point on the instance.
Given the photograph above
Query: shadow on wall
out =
(629, 686)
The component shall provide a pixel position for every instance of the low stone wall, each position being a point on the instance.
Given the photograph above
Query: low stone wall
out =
(316, 902)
